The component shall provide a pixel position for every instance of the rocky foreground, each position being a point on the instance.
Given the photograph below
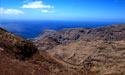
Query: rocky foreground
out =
(102, 50)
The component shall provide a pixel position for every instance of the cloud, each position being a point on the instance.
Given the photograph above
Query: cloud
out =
(10, 11)
(36, 4)
(47, 11)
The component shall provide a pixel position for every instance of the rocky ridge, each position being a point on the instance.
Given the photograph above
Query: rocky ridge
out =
(100, 49)
(50, 38)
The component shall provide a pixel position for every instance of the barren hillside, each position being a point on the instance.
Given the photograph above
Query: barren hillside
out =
(99, 49)
(20, 56)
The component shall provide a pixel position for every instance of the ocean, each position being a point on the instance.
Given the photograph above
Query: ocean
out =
(31, 29)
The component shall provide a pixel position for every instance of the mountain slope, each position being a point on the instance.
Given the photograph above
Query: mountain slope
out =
(102, 57)
(50, 38)
(100, 49)
(20, 56)
(16, 46)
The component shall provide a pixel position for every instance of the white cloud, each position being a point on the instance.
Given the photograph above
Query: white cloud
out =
(10, 11)
(36, 4)
(47, 11)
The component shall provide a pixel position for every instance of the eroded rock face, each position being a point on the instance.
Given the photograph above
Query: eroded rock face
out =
(113, 32)
(49, 39)
(65, 36)
(108, 33)
(100, 49)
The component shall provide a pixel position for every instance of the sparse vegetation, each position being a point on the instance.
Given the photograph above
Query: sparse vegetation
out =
(14, 49)
(101, 47)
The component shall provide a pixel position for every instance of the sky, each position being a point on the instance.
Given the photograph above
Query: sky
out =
(75, 10)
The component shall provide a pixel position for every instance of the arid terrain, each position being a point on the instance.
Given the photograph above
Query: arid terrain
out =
(19, 56)
(101, 50)
(74, 51)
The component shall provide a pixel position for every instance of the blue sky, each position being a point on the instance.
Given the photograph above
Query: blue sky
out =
(81, 10)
